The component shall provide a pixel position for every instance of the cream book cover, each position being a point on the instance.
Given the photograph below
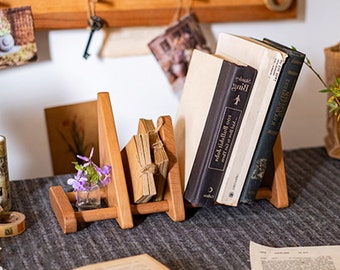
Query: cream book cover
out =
(140, 262)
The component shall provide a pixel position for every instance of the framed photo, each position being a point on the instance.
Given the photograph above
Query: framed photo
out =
(17, 41)
(173, 49)
(72, 130)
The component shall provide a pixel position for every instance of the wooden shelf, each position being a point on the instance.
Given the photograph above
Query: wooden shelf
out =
(66, 14)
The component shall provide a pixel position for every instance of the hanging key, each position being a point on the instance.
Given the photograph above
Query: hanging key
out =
(96, 23)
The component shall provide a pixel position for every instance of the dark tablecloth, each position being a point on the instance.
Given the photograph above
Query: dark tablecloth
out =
(214, 238)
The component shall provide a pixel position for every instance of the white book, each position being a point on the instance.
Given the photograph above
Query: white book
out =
(268, 62)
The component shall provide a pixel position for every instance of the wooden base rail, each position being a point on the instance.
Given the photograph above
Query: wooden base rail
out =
(116, 194)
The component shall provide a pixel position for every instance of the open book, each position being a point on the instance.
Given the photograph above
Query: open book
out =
(143, 261)
(316, 257)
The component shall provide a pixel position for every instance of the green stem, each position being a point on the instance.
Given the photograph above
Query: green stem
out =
(308, 63)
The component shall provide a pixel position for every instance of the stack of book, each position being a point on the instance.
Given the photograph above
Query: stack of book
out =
(146, 163)
(229, 116)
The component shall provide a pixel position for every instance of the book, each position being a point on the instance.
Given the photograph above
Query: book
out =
(268, 61)
(158, 156)
(141, 168)
(211, 108)
(273, 121)
(142, 261)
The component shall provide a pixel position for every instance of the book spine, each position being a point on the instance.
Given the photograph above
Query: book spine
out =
(226, 111)
(273, 121)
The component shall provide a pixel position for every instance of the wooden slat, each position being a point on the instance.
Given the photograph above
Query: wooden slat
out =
(66, 14)
(149, 208)
(63, 209)
(278, 193)
(174, 191)
(116, 191)
(96, 214)
(279, 189)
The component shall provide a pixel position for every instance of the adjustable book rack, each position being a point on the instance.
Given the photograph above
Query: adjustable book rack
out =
(116, 193)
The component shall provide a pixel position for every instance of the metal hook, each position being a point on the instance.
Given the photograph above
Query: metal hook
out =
(275, 6)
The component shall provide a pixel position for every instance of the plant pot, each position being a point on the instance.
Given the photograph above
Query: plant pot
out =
(332, 71)
(88, 199)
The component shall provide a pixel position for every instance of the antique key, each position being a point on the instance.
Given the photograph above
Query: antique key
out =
(96, 23)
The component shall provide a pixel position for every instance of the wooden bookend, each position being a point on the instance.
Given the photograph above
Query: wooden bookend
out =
(173, 193)
(115, 194)
(109, 150)
(277, 194)
(173, 203)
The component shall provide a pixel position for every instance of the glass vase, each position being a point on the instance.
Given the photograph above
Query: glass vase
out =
(88, 199)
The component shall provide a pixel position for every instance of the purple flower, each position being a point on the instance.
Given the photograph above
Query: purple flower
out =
(88, 160)
(78, 182)
(89, 173)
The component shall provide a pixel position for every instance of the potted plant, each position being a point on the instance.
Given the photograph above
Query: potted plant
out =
(87, 182)
(332, 88)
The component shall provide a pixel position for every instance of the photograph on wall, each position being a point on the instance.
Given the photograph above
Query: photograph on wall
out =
(72, 130)
(17, 40)
(173, 49)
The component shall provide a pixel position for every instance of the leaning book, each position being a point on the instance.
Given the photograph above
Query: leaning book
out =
(268, 61)
(158, 156)
(209, 116)
(273, 121)
(140, 168)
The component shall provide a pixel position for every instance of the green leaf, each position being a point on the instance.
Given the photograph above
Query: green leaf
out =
(325, 91)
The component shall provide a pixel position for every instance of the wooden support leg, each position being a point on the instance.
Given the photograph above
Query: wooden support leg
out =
(173, 193)
(278, 193)
(117, 193)
(63, 209)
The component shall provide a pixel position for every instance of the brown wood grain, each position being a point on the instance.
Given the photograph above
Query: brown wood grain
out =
(66, 14)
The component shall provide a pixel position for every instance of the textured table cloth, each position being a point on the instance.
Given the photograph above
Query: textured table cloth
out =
(214, 238)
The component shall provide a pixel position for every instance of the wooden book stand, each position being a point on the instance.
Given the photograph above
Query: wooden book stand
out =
(116, 194)
(276, 192)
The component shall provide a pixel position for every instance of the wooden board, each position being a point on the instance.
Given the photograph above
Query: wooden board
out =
(66, 14)
(116, 191)
(68, 136)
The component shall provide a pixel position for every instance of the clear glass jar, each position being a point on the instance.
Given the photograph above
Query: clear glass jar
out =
(88, 199)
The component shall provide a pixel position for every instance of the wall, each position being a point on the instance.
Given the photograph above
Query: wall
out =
(138, 88)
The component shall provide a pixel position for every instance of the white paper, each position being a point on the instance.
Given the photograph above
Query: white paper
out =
(294, 258)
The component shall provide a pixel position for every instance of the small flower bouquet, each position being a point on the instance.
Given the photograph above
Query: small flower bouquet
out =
(87, 182)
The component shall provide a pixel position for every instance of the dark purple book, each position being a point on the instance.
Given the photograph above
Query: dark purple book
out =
(223, 121)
